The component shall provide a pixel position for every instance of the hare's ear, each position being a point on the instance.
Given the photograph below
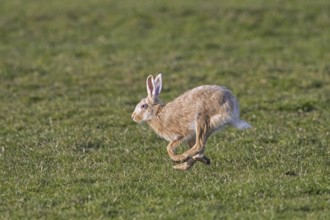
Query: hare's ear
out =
(158, 85)
(150, 86)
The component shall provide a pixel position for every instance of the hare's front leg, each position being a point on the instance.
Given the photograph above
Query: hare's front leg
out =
(171, 151)
(179, 158)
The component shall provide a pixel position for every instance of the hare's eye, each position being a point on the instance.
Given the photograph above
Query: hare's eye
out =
(144, 106)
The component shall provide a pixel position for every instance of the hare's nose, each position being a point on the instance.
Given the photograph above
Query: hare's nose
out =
(132, 116)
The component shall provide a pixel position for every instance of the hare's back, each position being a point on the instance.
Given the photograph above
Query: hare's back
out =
(207, 94)
(209, 99)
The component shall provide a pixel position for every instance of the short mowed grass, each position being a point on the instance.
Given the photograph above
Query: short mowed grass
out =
(72, 71)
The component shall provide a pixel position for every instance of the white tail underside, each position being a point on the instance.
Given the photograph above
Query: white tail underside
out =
(240, 124)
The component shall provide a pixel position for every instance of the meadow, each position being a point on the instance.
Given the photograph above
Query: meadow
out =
(71, 73)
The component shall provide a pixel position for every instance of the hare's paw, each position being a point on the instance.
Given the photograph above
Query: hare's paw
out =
(182, 166)
(180, 158)
(186, 165)
(202, 158)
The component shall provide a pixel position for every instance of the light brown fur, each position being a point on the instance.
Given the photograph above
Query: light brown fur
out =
(191, 118)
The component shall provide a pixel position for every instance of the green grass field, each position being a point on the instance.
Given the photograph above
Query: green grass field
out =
(72, 71)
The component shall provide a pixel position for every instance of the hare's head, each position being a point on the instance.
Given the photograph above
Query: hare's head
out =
(146, 109)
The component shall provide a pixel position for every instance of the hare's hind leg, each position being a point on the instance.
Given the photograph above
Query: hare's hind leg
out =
(202, 134)
(200, 156)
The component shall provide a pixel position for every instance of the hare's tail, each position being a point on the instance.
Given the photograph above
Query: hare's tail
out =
(240, 124)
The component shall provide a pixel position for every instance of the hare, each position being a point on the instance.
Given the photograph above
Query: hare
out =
(192, 118)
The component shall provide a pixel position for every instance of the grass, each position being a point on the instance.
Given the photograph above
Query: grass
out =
(72, 72)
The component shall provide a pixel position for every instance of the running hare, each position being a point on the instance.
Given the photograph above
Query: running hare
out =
(191, 118)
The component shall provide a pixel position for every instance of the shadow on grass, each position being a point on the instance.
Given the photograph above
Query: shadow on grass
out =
(88, 146)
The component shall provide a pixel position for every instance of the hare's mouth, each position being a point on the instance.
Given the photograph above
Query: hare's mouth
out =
(136, 118)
